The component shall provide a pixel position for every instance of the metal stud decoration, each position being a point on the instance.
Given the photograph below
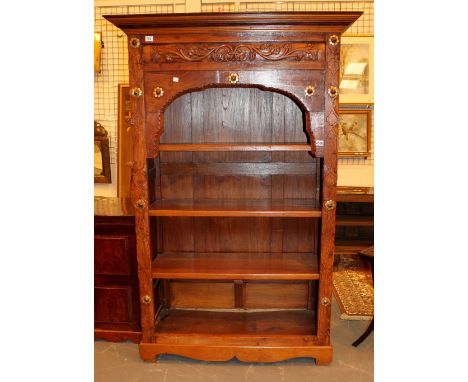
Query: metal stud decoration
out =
(136, 92)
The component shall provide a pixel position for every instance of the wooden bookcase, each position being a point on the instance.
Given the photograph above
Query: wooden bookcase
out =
(234, 120)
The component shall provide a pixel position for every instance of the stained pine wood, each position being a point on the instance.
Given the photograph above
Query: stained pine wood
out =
(269, 199)
(240, 208)
(234, 266)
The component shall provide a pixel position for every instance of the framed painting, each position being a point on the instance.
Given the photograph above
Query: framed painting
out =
(354, 133)
(357, 69)
(102, 169)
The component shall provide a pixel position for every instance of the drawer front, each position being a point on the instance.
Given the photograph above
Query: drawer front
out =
(112, 255)
(113, 305)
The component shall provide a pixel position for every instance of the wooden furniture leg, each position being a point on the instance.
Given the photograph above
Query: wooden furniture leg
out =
(367, 254)
(364, 335)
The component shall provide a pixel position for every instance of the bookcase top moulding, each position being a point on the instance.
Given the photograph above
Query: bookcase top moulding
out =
(326, 21)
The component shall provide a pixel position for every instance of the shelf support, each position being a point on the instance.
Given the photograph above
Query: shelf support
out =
(140, 194)
(329, 174)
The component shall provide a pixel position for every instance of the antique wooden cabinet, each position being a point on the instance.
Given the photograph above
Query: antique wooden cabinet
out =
(234, 120)
(354, 221)
(116, 292)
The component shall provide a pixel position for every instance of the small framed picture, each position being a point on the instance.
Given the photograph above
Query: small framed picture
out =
(357, 69)
(354, 133)
(97, 51)
(102, 169)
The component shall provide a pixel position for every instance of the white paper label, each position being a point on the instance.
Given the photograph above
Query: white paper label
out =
(318, 142)
(175, 79)
(148, 38)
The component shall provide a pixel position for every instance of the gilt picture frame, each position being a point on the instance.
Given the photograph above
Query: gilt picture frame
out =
(102, 169)
(357, 69)
(354, 133)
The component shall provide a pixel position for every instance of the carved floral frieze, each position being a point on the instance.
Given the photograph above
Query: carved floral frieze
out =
(236, 52)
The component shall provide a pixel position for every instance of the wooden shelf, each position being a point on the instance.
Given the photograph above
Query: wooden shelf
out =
(356, 221)
(242, 266)
(199, 325)
(269, 336)
(235, 147)
(267, 208)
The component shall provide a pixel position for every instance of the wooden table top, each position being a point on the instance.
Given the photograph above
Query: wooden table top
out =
(113, 207)
(368, 252)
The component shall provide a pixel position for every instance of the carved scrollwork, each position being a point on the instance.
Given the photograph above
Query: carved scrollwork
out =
(237, 53)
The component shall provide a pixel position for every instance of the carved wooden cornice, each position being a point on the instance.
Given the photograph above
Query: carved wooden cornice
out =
(193, 20)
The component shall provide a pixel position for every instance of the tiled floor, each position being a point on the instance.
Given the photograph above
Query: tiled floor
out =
(118, 362)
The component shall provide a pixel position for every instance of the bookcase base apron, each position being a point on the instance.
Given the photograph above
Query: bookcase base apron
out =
(244, 352)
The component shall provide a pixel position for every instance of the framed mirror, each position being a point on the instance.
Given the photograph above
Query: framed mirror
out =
(102, 171)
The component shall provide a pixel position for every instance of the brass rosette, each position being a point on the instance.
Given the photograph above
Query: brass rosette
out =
(158, 92)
